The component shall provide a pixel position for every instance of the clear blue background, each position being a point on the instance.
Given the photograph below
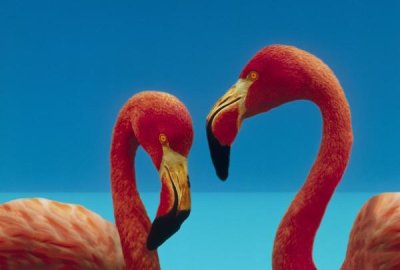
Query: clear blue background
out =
(66, 68)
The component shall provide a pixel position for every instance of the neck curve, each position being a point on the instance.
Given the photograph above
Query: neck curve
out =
(295, 235)
(130, 215)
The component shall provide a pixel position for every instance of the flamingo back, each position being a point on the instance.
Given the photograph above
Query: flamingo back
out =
(375, 237)
(43, 234)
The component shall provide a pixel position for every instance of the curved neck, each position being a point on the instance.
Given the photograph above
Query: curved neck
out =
(295, 236)
(130, 215)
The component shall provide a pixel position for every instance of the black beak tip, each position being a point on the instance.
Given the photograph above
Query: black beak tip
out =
(222, 174)
(219, 154)
(164, 227)
(152, 243)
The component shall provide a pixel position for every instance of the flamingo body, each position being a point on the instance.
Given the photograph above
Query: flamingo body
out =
(375, 237)
(43, 234)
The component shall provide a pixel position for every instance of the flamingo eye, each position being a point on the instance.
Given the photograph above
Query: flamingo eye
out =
(252, 76)
(163, 139)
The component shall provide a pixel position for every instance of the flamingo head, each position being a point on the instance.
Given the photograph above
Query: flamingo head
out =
(272, 77)
(163, 127)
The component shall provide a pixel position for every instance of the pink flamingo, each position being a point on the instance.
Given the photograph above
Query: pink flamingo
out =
(43, 234)
(279, 74)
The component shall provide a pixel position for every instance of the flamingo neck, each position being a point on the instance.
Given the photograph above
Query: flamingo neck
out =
(295, 236)
(130, 215)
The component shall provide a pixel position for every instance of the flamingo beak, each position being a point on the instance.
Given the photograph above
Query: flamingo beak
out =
(223, 124)
(175, 202)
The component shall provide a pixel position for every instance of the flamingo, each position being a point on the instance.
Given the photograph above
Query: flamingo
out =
(278, 74)
(38, 233)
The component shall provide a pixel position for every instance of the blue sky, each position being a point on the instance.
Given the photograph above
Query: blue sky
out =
(66, 68)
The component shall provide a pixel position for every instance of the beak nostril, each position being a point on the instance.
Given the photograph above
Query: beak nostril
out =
(220, 108)
(223, 100)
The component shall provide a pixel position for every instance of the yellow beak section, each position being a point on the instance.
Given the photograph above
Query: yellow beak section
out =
(174, 175)
(175, 202)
